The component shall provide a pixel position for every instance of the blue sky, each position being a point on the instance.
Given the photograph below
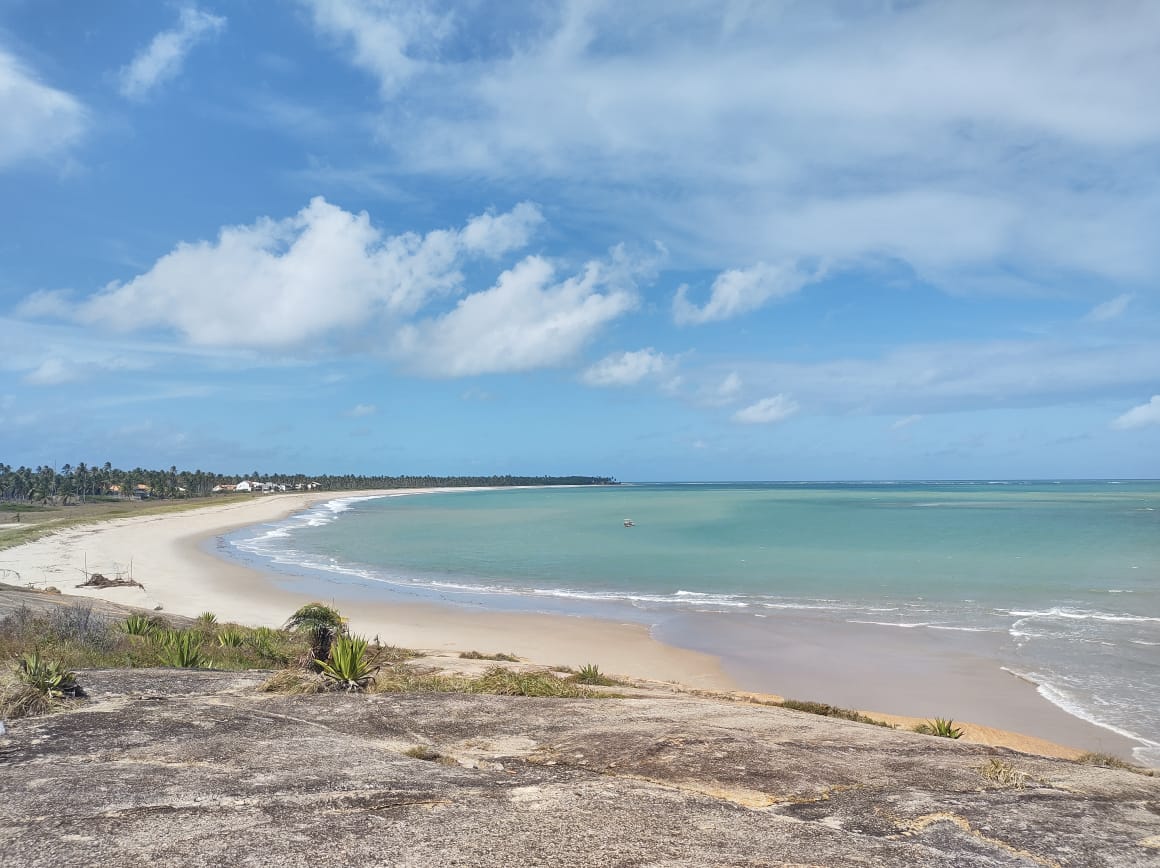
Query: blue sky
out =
(670, 240)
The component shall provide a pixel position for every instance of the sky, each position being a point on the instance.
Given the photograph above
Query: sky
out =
(655, 240)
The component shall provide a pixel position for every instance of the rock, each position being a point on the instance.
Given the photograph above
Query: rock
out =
(180, 768)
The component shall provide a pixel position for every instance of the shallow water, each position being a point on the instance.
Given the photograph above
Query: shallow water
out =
(1062, 579)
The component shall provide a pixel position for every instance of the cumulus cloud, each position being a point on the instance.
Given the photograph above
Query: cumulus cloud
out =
(162, 60)
(285, 284)
(1141, 416)
(628, 368)
(739, 291)
(528, 320)
(39, 121)
(1110, 309)
(767, 410)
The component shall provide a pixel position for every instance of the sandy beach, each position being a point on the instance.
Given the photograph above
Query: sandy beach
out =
(170, 554)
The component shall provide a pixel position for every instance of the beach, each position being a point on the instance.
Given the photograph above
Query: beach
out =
(172, 556)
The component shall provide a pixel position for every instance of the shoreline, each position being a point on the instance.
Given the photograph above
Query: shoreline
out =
(171, 555)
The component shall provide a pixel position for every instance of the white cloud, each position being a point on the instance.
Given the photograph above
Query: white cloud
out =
(773, 409)
(384, 39)
(39, 121)
(628, 368)
(162, 60)
(291, 283)
(360, 410)
(905, 422)
(739, 291)
(52, 372)
(526, 321)
(1110, 309)
(1141, 416)
(987, 151)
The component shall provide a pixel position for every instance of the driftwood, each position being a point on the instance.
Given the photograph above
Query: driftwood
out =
(96, 580)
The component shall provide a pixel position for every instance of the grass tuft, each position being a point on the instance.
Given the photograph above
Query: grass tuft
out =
(1108, 761)
(479, 655)
(423, 752)
(1004, 774)
(295, 682)
(824, 710)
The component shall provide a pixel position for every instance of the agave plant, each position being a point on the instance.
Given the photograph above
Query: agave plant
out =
(138, 625)
(206, 619)
(348, 667)
(590, 674)
(181, 650)
(47, 677)
(323, 625)
(231, 637)
(944, 727)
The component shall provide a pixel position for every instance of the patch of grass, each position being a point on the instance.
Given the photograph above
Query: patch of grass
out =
(590, 674)
(942, 727)
(295, 682)
(1108, 761)
(18, 699)
(824, 710)
(1004, 774)
(478, 655)
(505, 682)
(423, 752)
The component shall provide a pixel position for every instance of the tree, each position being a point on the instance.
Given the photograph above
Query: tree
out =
(323, 625)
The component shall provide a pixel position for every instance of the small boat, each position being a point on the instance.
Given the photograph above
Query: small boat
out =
(628, 522)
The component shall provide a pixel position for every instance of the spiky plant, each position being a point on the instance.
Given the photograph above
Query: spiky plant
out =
(349, 667)
(943, 727)
(231, 637)
(47, 677)
(181, 650)
(206, 619)
(138, 625)
(323, 625)
(590, 674)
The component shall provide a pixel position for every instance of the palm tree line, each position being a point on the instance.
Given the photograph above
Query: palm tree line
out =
(83, 483)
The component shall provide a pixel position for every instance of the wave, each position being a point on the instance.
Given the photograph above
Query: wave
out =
(1067, 613)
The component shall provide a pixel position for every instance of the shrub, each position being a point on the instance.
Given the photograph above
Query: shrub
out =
(181, 650)
(945, 728)
(590, 674)
(349, 667)
(423, 752)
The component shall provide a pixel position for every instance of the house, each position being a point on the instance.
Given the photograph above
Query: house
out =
(223, 489)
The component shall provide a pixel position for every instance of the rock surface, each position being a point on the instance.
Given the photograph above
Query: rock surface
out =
(164, 767)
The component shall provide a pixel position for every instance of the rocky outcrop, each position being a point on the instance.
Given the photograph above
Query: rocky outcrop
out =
(198, 768)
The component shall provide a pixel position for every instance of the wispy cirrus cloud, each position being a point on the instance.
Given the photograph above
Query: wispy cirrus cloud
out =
(163, 58)
(1111, 309)
(40, 121)
(768, 410)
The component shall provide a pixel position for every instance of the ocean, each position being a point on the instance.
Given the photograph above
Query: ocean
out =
(1056, 582)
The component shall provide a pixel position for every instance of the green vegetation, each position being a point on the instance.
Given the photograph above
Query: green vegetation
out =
(322, 624)
(47, 677)
(138, 625)
(349, 667)
(1004, 774)
(590, 674)
(942, 727)
(231, 637)
(477, 655)
(824, 710)
(181, 649)
(1107, 761)
(423, 752)
(206, 619)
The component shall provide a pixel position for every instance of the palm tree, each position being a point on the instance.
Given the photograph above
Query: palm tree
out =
(323, 625)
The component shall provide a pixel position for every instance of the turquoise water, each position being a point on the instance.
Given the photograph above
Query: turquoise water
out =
(1065, 576)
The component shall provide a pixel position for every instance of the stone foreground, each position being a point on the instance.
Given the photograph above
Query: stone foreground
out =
(164, 767)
